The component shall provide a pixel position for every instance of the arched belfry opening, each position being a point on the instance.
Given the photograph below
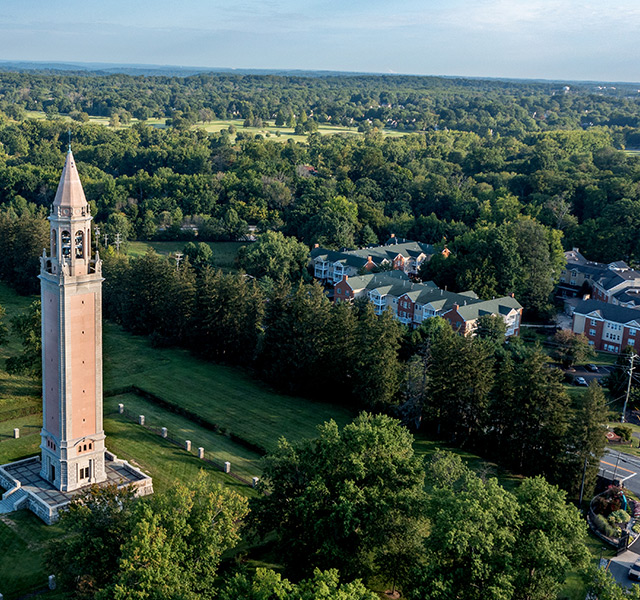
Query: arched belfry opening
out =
(65, 244)
(79, 244)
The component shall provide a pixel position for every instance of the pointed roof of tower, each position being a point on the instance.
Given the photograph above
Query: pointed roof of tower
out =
(70, 192)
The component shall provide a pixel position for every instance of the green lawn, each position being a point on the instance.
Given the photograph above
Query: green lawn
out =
(23, 539)
(164, 461)
(224, 253)
(223, 395)
(28, 443)
(16, 392)
(216, 446)
(268, 128)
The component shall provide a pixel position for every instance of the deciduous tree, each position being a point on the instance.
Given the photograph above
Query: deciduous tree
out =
(344, 499)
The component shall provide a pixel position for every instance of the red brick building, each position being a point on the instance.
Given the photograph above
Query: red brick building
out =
(608, 327)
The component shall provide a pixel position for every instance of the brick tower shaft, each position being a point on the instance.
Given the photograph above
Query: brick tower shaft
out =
(71, 292)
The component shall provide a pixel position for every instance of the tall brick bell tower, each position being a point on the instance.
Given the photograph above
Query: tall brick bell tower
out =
(73, 450)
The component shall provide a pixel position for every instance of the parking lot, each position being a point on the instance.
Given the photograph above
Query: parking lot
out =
(619, 567)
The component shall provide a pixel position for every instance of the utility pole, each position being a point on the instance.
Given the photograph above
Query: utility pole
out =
(118, 242)
(178, 257)
(106, 240)
(632, 358)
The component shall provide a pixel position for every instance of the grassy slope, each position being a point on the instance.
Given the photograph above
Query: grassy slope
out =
(224, 395)
(165, 462)
(23, 539)
(216, 446)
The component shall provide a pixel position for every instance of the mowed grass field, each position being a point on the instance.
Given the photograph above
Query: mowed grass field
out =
(167, 463)
(217, 446)
(23, 542)
(226, 396)
(224, 253)
(268, 129)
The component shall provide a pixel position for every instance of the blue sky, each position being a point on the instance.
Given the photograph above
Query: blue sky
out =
(551, 39)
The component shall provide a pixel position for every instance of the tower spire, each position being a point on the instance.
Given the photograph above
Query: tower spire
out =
(70, 193)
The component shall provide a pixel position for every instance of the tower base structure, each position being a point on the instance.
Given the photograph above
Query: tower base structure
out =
(26, 488)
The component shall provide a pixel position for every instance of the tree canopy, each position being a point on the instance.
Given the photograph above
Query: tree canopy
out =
(352, 499)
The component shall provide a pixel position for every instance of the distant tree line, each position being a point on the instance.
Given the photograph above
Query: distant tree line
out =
(488, 198)
(404, 103)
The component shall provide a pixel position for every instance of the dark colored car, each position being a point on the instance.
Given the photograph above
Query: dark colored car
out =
(634, 571)
(592, 368)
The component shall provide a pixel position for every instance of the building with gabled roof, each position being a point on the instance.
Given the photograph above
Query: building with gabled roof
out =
(465, 318)
(411, 303)
(615, 282)
(607, 326)
(329, 266)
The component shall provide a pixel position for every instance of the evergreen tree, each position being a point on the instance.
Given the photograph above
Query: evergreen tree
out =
(585, 441)
(460, 381)
(532, 408)
(296, 339)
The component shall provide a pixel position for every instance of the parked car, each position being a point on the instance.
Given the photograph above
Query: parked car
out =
(634, 571)
(580, 381)
(592, 368)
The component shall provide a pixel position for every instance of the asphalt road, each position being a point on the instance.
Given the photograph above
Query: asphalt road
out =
(619, 568)
(626, 468)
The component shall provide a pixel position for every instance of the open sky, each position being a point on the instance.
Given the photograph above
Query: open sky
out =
(551, 39)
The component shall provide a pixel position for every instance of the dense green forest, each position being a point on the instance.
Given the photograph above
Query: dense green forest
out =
(505, 203)
(505, 174)
(471, 192)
